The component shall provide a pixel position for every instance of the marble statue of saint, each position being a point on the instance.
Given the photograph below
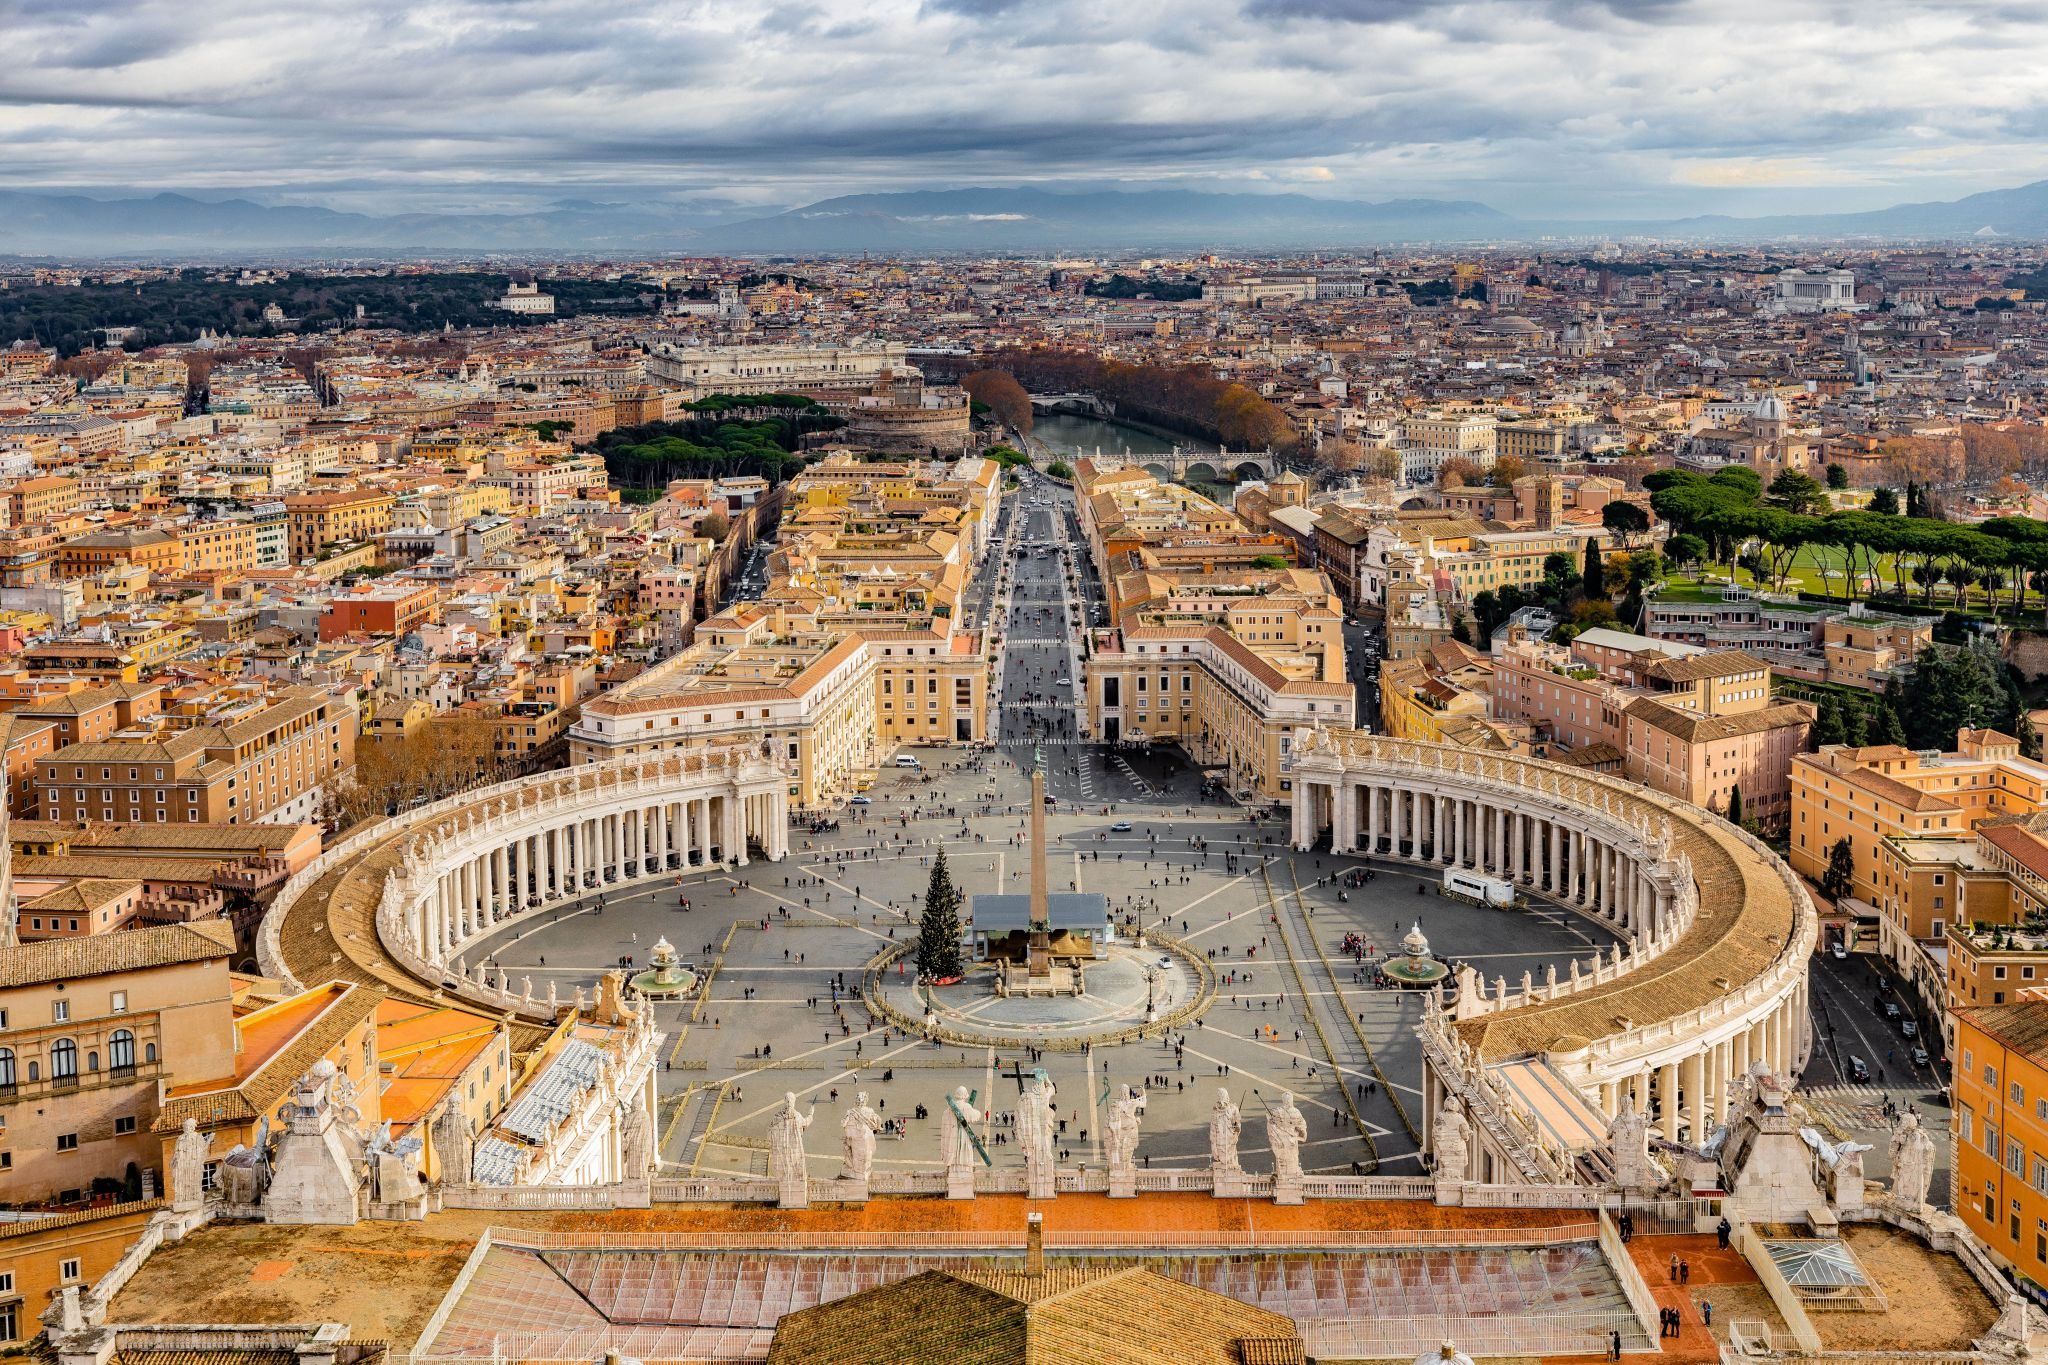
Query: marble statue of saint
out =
(1036, 1128)
(1124, 1113)
(1451, 1137)
(786, 1139)
(1912, 1155)
(1224, 1126)
(857, 1137)
(956, 1140)
(1286, 1130)
(1628, 1137)
(188, 1168)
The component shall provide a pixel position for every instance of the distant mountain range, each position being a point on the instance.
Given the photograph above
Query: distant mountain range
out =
(175, 224)
(2020, 212)
(918, 221)
(1043, 220)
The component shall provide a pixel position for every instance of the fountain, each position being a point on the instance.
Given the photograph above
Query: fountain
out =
(666, 975)
(1418, 970)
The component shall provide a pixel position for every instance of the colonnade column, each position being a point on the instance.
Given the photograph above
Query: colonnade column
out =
(1667, 1098)
(1696, 1095)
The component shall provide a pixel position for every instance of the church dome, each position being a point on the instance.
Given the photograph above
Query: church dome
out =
(1772, 409)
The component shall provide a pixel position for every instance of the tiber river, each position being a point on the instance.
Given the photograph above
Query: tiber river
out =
(1074, 436)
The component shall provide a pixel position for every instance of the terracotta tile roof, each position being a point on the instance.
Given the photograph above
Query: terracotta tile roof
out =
(83, 896)
(1004, 1316)
(68, 959)
(256, 1093)
(1694, 728)
(2023, 845)
(1715, 663)
(2022, 1026)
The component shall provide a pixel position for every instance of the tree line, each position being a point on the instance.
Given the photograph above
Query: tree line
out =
(178, 309)
(1185, 398)
(1730, 518)
(651, 454)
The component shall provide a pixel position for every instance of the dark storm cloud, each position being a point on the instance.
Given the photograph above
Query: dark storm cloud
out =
(1544, 102)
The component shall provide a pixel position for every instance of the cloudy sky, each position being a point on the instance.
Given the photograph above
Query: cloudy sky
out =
(1548, 108)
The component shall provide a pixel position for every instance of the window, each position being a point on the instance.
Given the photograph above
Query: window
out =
(118, 1003)
(2019, 1096)
(2015, 1157)
(124, 1125)
(67, 1142)
(121, 1050)
(63, 1059)
(68, 1269)
(6, 1068)
(60, 1010)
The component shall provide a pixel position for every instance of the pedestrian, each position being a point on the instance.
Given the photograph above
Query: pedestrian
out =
(1707, 1312)
(1685, 1272)
(1674, 1270)
(1614, 1346)
(1721, 1231)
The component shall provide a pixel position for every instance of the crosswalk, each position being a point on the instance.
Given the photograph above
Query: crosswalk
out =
(1847, 1107)
(1123, 766)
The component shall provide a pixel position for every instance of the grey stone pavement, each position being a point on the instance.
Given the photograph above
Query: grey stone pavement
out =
(769, 1022)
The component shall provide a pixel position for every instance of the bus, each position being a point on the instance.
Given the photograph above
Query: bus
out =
(1475, 889)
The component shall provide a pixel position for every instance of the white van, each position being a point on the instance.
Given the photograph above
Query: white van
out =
(906, 761)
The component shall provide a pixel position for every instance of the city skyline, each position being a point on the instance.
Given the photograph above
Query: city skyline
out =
(1542, 109)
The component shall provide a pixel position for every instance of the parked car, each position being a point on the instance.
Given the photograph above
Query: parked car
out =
(1919, 1056)
(1892, 1010)
(1857, 1070)
(1909, 1029)
(1841, 952)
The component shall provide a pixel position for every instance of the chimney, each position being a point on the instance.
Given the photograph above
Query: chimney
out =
(1034, 1244)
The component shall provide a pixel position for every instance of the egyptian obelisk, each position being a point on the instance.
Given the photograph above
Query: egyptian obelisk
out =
(1038, 956)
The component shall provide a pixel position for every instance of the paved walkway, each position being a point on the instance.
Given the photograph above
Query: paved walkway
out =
(1714, 1275)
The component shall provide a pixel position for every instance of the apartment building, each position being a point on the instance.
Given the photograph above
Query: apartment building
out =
(345, 516)
(1436, 696)
(1999, 1124)
(277, 1040)
(31, 502)
(1228, 670)
(390, 607)
(90, 1028)
(158, 552)
(1881, 792)
(1692, 723)
(255, 758)
(1855, 646)
(751, 678)
(228, 545)
(1429, 440)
